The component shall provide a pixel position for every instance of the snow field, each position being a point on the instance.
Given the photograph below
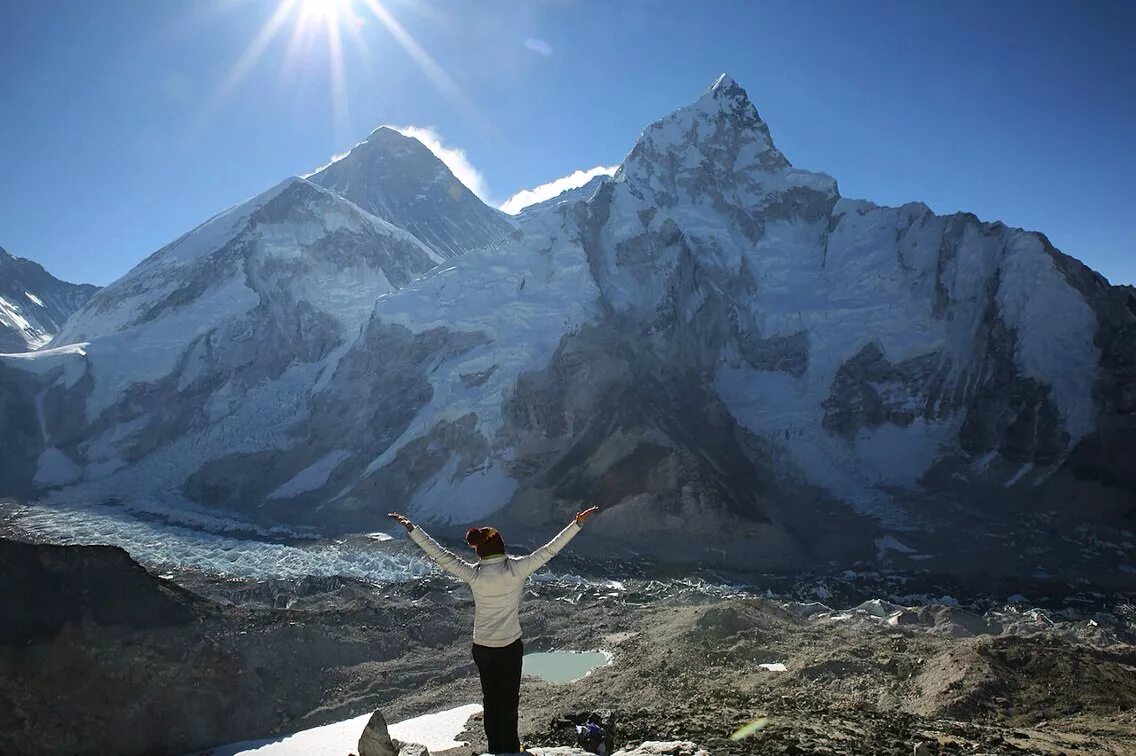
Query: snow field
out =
(438, 732)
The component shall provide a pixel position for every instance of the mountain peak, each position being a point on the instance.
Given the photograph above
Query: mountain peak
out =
(721, 129)
(725, 85)
(384, 131)
(388, 135)
(397, 178)
(725, 95)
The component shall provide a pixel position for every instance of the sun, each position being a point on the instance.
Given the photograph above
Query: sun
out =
(326, 32)
(324, 12)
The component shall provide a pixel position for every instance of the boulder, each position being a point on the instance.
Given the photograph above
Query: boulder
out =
(375, 740)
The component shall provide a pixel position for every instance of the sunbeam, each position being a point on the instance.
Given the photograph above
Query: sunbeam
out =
(339, 103)
(317, 24)
(429, 66)
(256, 48)
(311, 20)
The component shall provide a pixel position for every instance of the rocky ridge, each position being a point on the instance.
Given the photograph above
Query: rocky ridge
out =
(34, 304)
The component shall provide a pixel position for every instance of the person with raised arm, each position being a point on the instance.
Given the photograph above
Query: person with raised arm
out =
(498, 582)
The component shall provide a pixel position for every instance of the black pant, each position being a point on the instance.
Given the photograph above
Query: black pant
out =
(500, 670)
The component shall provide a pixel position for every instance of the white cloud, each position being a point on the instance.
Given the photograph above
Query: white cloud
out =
(453, 157)
(526, 197)
(334, 159)
(538, 46)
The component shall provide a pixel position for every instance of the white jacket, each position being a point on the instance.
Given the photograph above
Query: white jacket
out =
(498, 582)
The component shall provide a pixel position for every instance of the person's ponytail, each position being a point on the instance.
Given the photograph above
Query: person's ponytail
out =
(486, 540)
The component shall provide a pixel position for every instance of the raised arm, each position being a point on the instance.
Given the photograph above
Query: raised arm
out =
(443, 557)
(534, 561)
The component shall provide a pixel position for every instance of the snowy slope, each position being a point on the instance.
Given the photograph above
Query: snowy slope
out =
(438, 732)
(34, 304)
(296, 265)
(711, 340)
(396, 178)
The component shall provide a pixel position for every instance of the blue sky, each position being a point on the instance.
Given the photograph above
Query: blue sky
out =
(123, 124)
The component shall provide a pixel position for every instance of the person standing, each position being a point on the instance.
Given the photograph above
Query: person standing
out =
(498, 582)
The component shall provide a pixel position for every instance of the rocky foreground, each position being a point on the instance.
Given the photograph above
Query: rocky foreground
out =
(97, 655)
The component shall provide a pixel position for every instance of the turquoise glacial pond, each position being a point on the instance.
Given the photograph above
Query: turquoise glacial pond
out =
(563, 666)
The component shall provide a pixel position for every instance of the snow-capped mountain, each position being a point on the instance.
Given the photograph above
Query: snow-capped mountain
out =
(711, 342)
(396, 178)
(33, 303)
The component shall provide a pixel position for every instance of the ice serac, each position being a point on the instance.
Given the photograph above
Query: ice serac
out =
(711, 342)
(34, 304)
(398, 179)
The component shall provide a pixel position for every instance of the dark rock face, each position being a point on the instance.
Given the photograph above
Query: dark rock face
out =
(412, 467)
(610, 423)
(869, 391)
(786, 354)
(1007, 411)
(22, 439)
(46, 588)
(1106, 457)
(33, 295)
(629, 429)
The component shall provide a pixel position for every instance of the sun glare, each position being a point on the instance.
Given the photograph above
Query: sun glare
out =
(327, 12)
(328, 24)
